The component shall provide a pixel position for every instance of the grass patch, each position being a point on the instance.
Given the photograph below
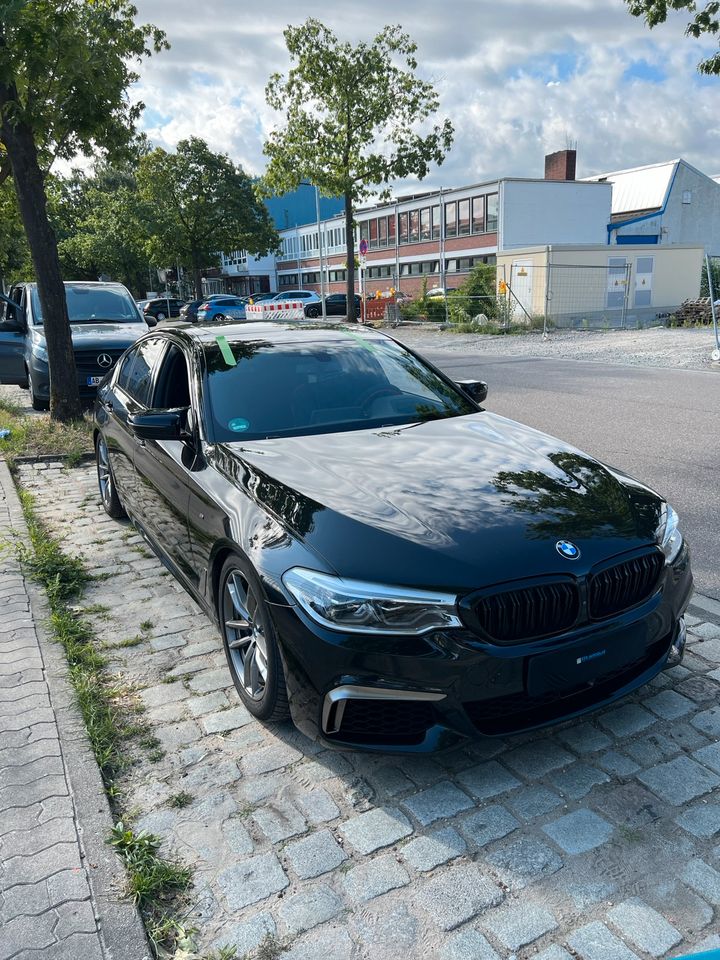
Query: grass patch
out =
(180, 800)
(36, 436)
(154, 883)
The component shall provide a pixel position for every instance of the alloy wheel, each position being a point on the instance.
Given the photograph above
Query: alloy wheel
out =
(245, 635)
(105, 480)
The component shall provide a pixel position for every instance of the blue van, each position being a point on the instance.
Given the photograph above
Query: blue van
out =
(104, 322)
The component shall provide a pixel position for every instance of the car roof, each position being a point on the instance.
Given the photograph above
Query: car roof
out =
(301, 332)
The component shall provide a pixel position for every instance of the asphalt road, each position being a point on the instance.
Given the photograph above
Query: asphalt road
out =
(660, 425)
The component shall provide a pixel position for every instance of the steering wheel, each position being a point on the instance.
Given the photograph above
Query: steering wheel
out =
(370, 398)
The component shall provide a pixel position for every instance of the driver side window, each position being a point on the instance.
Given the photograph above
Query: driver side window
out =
(172, 387)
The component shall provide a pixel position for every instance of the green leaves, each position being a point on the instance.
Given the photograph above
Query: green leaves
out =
(200, 204)
(705, 21)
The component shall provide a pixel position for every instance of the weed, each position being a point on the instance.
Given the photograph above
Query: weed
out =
(128, 642)
(8, 406)
(155, 756)
(270, 948)
(40, 436)
(630, 835)
(151, 878)
(180, 800)
(146, 626)
(224, 953)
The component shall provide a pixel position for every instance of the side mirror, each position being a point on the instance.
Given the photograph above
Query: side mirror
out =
(477, 390)
(150, 320)
(166, 425)
(11, 326)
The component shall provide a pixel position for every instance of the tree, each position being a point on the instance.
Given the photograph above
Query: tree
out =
(200, 204)
(352, 117)
(14, 257)
(704, 21)
(65, 66)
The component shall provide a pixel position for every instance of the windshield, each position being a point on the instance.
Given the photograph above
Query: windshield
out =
(89, 303)
(258, 389)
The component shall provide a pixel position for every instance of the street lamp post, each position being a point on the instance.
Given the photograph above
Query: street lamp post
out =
(320, 253)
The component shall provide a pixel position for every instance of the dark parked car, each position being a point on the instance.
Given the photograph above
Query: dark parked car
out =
(163, 307)
(335, 306)
(388, 562)
(188, 311)
(104, 321)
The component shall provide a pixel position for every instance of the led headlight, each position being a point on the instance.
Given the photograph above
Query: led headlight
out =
(668, 535)
(353, 606)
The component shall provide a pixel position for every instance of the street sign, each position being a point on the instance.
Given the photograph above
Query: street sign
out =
(363, 247)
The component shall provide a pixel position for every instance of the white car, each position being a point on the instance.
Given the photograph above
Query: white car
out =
(307, 296)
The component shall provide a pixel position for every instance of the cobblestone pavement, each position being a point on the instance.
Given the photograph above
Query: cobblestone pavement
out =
(597, 840)
(47, 911)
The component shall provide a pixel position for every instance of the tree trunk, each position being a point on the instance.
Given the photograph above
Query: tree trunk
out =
(350, 254)
(30, 189)
(197, 277)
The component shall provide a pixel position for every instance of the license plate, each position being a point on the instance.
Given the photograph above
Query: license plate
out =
(93, 381)
(565, 670)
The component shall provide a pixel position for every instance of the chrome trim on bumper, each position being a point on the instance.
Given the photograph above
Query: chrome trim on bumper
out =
(340, 696)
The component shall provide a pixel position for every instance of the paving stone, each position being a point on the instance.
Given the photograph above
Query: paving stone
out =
(708, 722)
(247, 936)
(679, 780)
(700, 689)
(709, 943)
(488, 824)
(595, 942)
(702, 821)
(178, 734)
(372, 879)
(317, 806)
(669, 705)
(630, 805)
(707, 631)
(579, 831)
(389, 781)
(308, 909)
(210, 703)
(268, 759)
(376, 828)
(442, 800)
(421, 770)
(488, 780)
(627, 720)
(209, 680)
(456, 895)
(704, 879)
(584, 738)
(647, 929)
(468, 945)
(532, 802)
(618, 764)
(327, 943)
(314, 855)
(520, 924)
(426, 853)
(537, 758)
(553, 953)
(61, 856)
(25, 843)
(689, 911)
(523, 861)
(279, 820)
(387, 930)
(236, 837)
(252, 880)
(710, 756)
(226, 720)
(74, 917)
(578, 780)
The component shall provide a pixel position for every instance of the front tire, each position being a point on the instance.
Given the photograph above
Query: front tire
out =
(312, 312)
(159, 316)
(250, 642)
(106, 482)
(36, 402)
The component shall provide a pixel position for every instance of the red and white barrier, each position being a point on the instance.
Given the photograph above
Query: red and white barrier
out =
(275, 310)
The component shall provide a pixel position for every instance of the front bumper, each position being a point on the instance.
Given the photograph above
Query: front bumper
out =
(419, 694)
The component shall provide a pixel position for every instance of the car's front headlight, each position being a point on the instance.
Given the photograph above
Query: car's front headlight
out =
(668, 534)
(353, 606)
(39, 350)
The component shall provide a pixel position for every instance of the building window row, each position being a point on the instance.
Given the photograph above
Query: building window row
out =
(462, 218)
(337, 276)
(288, 280)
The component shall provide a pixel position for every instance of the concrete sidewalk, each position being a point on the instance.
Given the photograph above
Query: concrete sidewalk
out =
(60, 885)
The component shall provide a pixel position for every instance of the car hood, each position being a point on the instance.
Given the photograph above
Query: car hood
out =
(103, 336)
(461, 503)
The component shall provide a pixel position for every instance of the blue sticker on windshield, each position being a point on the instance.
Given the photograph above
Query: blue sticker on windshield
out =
(238, 425)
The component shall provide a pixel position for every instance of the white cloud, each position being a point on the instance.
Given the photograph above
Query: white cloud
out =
(515, 77)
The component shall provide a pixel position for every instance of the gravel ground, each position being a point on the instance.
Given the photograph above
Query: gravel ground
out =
(656, 347)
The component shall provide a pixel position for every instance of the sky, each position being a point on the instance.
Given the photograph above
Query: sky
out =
(517, 78)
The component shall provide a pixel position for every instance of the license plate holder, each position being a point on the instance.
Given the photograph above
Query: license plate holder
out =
(93, 381)
(580, 664)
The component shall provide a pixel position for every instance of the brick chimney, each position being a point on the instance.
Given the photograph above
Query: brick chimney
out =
(560, 165)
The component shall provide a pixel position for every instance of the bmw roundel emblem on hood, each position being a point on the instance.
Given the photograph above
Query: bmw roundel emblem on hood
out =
(567, 549)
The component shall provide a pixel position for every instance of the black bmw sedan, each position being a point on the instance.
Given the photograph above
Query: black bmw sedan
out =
(389, 563)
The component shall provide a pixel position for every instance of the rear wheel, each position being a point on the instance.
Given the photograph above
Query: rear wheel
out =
(219, 316)
(250, 642)
(106, 481)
